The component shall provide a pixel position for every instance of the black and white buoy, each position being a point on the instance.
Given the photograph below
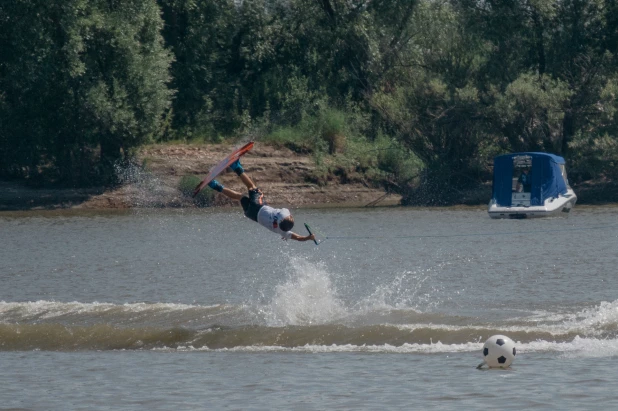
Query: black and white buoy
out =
(498, 352)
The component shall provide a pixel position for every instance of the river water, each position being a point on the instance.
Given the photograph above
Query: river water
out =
(204, 309)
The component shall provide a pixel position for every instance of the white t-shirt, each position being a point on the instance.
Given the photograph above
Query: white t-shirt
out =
(271, 217)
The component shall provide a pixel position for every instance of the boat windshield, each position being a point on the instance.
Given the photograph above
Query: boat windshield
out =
(564, 174)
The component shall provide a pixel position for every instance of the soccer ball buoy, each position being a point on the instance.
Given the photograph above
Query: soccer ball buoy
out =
(499, 351)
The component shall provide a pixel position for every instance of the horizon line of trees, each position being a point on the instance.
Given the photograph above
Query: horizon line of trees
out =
(452, 82)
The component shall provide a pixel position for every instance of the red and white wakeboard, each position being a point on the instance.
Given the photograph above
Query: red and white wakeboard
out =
(222, 165)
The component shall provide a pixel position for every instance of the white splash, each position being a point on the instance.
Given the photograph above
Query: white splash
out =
(606, 314)
(593, 321)
(403, 292)
(308, 297)
(143, 188)
(577, 348)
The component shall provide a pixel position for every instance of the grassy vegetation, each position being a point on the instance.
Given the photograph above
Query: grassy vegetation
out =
(342, 152)
(186, 186)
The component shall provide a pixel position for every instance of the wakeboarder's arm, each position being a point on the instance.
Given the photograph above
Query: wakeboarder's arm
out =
(303, 238)
(234, 195)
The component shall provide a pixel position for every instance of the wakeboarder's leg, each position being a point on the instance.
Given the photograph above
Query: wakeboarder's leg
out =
(240, 172)
(217, 186)
(234, 195)
(255, 197)
(247, 181)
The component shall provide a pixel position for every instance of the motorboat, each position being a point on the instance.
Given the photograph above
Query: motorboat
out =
(529, 185)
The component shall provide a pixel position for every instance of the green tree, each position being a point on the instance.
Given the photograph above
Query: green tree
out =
(580, 57)
(81, 80)
(430, 100)
(200, 33)
(530, 113)
(569, 44)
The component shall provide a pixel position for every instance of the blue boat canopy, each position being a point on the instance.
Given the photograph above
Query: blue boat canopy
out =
(547, 174)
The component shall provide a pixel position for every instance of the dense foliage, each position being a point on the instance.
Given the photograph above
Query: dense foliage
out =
(80, 80)
(448, 83)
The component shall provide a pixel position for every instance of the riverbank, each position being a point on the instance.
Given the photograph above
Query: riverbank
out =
(286, 177)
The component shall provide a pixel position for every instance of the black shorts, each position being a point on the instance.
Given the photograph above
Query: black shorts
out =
(252, 204)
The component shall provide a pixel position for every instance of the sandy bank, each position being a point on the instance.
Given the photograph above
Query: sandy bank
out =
(284, 176)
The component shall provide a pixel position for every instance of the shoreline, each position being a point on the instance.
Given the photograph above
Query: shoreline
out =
(285, 177)
(24, 199)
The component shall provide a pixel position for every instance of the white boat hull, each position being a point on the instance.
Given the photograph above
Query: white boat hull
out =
(561, 205)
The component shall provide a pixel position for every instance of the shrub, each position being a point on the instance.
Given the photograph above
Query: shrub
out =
(186, 186)
(333, 130)
(593, 156)
(290, 137)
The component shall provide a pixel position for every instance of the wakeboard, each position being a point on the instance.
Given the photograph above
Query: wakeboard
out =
(222, 165)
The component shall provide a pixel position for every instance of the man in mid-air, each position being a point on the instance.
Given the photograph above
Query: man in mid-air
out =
(277, 220)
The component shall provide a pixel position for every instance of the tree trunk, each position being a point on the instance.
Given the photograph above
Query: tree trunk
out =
(540, 47)
(568, 130)
(110, 149)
